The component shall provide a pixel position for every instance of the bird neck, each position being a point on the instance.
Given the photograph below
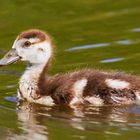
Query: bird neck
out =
(34, 72)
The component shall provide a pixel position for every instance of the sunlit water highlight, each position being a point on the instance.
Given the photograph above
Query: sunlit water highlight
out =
(88, 46)
(120, 42)
(111, 60)
(136, 30)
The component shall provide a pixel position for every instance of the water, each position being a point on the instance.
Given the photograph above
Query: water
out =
(93, 34)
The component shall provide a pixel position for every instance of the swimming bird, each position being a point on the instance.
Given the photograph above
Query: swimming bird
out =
(86, 86)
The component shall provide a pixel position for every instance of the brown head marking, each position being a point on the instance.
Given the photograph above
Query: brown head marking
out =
(34, 33)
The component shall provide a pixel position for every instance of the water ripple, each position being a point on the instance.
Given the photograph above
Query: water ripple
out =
(120, 42)
(111, 60)
(124, 42)
(136, 30)
(88, 46)
(12, 99)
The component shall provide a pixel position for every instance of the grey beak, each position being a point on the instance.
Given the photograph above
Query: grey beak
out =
(9, 58)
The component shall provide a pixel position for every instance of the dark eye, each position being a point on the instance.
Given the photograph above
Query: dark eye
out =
(27, 43)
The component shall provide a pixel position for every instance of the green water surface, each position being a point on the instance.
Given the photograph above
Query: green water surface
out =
(100, 34)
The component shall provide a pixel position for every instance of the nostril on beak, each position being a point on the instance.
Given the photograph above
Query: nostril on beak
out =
(9, 55)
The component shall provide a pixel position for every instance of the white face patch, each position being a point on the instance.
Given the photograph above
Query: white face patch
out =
(32, 54)
(117, 84)
(94, 100)
(33, 40)
(78, 88)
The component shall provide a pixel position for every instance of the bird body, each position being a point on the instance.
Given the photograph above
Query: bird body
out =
(86, 86)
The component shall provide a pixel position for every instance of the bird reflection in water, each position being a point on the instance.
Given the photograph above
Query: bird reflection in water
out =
(36, 121)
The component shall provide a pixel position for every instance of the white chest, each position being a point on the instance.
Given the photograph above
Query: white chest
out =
(29, 80)
(28, 83)
(28, 87)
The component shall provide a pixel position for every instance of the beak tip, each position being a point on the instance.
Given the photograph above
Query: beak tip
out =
(9, 58)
